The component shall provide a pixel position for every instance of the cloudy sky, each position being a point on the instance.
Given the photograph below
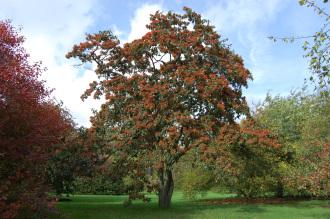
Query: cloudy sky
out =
(52, 27)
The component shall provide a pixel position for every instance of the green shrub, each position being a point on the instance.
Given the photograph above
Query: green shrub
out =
(195, 182)
(100, 185)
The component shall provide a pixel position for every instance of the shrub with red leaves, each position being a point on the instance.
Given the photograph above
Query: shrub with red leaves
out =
(30, 124)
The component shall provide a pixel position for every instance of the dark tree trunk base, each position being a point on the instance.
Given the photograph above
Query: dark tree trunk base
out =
(166, 186)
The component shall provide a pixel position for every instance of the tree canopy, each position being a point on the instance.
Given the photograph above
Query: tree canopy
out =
(166, 93)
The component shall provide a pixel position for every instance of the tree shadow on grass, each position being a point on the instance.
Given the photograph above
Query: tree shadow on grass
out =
(101, 207)
(183, 210)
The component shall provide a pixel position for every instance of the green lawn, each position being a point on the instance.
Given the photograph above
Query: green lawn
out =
(102, 206)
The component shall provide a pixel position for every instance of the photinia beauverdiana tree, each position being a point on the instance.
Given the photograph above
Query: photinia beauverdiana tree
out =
(166, 93)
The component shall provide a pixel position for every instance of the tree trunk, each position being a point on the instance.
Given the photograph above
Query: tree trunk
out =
(279, 190)
(166, 186)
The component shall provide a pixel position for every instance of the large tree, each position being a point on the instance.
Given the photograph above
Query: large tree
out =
(30, 124)
(166, 93)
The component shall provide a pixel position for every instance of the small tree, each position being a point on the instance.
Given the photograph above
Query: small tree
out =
(166, 93)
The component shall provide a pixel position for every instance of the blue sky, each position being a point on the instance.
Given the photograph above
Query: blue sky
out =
(52, 27)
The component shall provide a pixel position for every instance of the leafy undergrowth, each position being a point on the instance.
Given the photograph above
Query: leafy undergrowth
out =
(104, 206)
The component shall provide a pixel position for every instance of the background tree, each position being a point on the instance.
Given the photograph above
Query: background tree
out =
(72, 158)
(30, 124)
(192, 176)
(301, 119)
(245, 159)
(168, 92)
(301, 122)
(80, 168)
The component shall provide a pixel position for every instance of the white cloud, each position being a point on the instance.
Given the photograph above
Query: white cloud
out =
(116, 31)
(51, 28)
(141, 19)
(235, 14)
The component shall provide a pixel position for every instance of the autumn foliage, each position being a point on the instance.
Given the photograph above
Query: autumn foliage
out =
(174, 92)
(245, 158)
(168, 92)
(30, 124)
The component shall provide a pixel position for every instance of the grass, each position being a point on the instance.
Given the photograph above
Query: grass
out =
(104, 206)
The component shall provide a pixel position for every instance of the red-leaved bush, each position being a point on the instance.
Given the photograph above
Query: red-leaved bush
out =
(30, 124)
